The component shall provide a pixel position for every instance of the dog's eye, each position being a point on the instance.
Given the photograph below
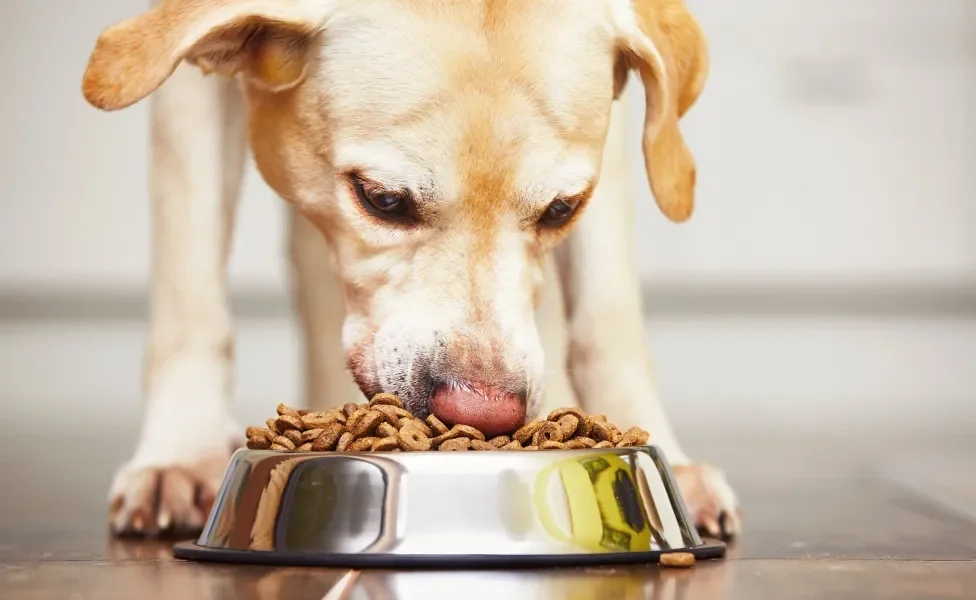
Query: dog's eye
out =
(558, 212)
(382, 203)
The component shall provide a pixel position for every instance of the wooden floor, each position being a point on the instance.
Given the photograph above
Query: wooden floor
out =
(825, 518)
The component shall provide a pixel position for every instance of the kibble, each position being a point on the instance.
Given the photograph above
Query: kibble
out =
(436, 424)
(309, 435)
(500, 441)
(384, 425)
(547, 432)
(386, 399)
(283, 441)
(287, 422)
(258, 443)
(386, 430)
(411, 439)
(455, 444)
(363, 444)
(677, 559)
(385, 444)
(283, 410)
(318, 420)
(329, 437)
(344, 442)
(419, 425)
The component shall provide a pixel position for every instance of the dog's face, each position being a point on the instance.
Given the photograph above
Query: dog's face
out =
(442, 148)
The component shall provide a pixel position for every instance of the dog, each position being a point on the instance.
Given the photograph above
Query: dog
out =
(460, 229)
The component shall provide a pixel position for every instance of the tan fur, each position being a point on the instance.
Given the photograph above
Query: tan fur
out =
(132, 58)
(673, 70)
(486, 111)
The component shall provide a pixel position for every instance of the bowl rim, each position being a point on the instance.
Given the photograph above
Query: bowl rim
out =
(190, 550)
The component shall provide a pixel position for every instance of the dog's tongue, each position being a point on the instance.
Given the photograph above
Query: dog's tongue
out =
(491, 410)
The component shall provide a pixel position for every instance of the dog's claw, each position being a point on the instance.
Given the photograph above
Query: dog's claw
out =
(710, 500)
(711, 526)
(138, 523)
(147, 501)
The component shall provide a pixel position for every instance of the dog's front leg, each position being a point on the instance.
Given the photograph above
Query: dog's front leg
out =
(608, 359)
(318, 300)
(198, 149)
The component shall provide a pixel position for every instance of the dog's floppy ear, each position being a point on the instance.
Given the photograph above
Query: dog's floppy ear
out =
(663, 42)
(266, 40)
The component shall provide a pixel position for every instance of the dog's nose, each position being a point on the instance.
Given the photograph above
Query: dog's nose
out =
(493, 410)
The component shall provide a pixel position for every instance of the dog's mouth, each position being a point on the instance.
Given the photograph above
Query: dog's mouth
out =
(493, 410)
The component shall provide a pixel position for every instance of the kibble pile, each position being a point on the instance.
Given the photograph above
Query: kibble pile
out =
(383, 425)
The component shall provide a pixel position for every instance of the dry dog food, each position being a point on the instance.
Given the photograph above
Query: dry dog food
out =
(677, 559)
(383, 425)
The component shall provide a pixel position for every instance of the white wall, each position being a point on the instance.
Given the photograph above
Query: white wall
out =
(835, 139)
(834, 142)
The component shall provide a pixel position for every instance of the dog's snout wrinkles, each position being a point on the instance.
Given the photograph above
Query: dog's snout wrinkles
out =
(491, 409)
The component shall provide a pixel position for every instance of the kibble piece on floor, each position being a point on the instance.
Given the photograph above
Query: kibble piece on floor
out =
(677, 559)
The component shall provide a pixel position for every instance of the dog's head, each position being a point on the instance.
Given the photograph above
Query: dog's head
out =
(442, 147)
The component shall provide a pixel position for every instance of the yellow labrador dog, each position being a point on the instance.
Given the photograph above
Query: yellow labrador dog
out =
(433, 152)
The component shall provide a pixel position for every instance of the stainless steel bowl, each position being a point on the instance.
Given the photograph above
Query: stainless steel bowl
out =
(448, 509)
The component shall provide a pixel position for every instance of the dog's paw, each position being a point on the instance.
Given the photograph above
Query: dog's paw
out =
(710, 500)
(149, 499)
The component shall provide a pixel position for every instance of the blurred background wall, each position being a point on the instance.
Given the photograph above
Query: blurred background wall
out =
(828, 279)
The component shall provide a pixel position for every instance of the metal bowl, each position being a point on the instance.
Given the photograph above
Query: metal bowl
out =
(448, 509)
